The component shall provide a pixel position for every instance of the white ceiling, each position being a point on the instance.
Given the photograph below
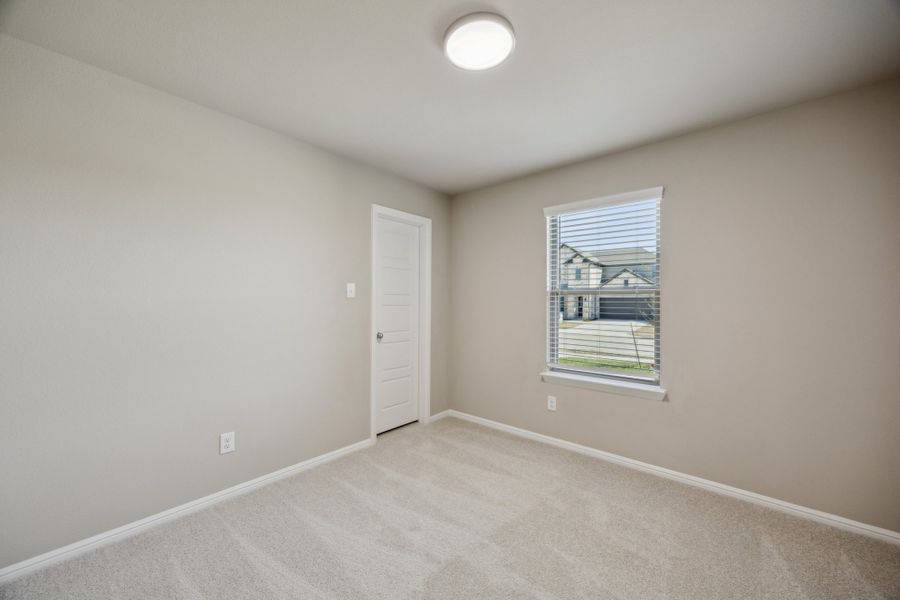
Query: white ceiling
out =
(367, 78)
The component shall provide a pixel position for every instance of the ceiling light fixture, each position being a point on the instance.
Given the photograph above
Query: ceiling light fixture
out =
(479, 41)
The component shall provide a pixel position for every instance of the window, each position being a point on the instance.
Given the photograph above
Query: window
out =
(614, 333)
(578, 274)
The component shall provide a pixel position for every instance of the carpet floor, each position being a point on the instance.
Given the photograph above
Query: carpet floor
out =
(453, 510)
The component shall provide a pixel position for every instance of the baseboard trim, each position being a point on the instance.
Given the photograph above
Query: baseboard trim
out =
(437, 416)
(48, 558)
(812, 514)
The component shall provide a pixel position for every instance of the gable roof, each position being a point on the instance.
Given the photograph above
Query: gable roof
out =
(626, 270)
(576, 252)
(611, 258)
(623, 257)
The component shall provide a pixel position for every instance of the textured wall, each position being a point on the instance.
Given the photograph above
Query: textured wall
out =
(170, 273)
(780, 291)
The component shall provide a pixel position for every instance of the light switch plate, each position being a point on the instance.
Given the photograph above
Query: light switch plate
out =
(351, 290)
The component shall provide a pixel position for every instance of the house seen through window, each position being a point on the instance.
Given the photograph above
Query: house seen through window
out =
(603, 317)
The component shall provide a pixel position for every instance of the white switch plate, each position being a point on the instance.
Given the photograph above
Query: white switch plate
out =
(551, 402)
(351, 290)
(226, 443)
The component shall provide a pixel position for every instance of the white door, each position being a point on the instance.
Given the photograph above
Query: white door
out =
(396, 287)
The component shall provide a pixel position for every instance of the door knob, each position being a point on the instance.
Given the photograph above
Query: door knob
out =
(379, 336)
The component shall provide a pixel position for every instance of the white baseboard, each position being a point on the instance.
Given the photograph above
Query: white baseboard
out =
(26, 566)
(812, 514)
(437, 416)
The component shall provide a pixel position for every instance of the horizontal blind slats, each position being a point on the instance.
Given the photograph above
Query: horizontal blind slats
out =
(603, 291)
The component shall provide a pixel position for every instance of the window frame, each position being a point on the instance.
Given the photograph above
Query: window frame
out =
(595, 377)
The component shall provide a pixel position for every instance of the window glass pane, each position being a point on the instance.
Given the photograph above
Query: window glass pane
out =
(607, 308)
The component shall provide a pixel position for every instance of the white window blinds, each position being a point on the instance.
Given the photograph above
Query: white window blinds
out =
(603, 286)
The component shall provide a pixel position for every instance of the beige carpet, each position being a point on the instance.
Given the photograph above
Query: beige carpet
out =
(454, 510)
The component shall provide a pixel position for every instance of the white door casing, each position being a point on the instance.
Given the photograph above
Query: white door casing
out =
(400, 318)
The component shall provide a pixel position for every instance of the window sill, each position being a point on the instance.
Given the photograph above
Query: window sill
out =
(624, 388)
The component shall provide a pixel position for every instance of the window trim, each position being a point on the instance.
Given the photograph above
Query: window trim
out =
(654, 193)
(628, 386)
(605, 384)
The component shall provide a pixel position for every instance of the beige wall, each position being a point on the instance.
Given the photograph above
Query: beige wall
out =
(170, 273)
(780, 290)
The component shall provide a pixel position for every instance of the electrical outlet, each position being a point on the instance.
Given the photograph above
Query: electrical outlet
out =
(226, 443)
(351, 290)
(551, 402)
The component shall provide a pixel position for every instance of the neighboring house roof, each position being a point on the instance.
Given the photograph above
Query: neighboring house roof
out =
(585, 256)
(640, 261)
(626, 270)
(623, 256)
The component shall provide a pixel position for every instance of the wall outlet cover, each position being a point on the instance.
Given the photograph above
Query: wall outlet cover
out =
(551, 402)
(226, 443)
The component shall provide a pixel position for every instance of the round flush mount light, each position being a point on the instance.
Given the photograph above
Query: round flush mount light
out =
(479, 41)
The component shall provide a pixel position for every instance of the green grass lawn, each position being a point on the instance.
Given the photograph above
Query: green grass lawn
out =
(618, 365)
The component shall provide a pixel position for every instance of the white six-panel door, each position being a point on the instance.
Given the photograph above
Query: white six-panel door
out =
(396, 320)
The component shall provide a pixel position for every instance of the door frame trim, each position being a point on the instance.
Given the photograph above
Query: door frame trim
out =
(424, 225)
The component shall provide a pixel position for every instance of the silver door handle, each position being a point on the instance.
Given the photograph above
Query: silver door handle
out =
(379, 336)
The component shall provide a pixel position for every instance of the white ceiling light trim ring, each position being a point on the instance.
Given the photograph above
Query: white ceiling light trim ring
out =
(479, 41)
